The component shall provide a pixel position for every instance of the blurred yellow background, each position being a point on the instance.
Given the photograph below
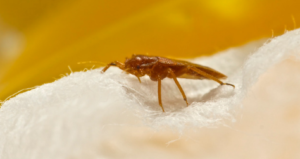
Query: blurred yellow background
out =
(55, 34)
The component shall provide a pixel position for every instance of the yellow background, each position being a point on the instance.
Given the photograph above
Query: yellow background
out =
(60, 33)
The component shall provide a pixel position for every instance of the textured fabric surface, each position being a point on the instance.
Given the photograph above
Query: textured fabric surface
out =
(92, 115)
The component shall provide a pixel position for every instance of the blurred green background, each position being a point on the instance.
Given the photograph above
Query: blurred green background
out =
(39, 39)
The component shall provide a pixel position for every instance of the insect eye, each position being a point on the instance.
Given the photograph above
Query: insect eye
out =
(138, 67)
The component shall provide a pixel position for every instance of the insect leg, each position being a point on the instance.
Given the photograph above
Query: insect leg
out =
(105, 68)
(210, 76)
(178, 85)
(139, 79)
(116, 63)
(159, 94)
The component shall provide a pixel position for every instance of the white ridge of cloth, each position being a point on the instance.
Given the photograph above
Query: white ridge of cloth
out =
(77, 115)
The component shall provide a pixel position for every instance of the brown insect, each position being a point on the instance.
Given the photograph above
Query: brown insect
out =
(158, 68)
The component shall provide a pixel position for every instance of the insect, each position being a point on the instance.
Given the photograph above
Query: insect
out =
(158, 68)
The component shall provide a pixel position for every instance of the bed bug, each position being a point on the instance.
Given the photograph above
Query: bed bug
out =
(158, 68)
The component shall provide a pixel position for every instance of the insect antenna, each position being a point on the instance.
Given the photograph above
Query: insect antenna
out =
(90, 62)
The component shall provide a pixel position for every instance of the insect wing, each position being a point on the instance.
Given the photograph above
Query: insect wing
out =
(210, 71)
(182, 66)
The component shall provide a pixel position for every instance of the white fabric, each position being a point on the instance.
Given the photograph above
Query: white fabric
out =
(92, 115)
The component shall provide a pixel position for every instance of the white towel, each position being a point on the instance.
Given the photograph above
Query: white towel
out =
(92, 115)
